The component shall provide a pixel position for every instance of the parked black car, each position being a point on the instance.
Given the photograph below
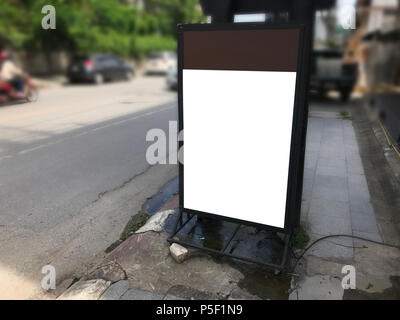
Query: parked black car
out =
(98, 68)
(330, 72)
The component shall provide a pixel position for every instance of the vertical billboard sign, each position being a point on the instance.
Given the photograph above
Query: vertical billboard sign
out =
(241, 113)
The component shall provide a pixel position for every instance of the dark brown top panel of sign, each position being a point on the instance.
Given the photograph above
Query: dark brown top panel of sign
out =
(251, 50)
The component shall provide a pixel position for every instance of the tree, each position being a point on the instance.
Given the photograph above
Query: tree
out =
(118, 26)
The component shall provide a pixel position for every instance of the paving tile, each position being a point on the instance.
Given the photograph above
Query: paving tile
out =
(305, 208)
(314, 133)
(361, 205)
(363, 221)
(312, 146)
(330, 181)
(308, 183)
(333, 133)
(331, 171)
(326, 225)
(355, 169)
(324, 207)
(309, 173)
(357, 181)
(332, 248)
(353, 160)
(307, 192)
(328, 139)
(333, 153)
(337, 193)
(315, 124)
(340, 164)
(359, 193)
(349, 137)
(310, 162)
(351, 150)
(333, 129)
(348, 132)
(332, 149)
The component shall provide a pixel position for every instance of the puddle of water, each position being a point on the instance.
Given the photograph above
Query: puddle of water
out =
(262, 282)
(166, 193)
(249, 242)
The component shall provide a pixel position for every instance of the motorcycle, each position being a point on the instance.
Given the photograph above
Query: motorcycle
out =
(7, 92)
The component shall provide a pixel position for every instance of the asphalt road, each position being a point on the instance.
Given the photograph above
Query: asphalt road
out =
(59, 155)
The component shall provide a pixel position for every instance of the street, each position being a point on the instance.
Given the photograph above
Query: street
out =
(59, 157)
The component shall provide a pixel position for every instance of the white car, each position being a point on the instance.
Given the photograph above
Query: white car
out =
(160, 62)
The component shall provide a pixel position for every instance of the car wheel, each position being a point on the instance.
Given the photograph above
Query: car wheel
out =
(98, 78)
(345, 94)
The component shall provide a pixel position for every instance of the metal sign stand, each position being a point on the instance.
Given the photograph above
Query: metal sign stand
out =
(296, 164)
(182, 221)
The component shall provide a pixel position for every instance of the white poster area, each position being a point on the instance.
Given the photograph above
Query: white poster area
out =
(237, 139)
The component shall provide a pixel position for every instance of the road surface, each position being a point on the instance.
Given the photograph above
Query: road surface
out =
(63, 161)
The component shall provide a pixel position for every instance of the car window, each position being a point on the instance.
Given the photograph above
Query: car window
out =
(100, 58)
(118, 60)
(78, 59)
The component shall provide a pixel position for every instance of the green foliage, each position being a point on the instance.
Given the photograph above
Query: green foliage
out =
(169, 13)
(84, 26)
(134, 224)
(301, 238)
(146, 44)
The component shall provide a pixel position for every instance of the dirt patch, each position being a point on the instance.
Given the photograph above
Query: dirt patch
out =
(264, 283)
(392, 293)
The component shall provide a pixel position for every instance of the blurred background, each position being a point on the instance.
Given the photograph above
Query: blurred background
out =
(138, 29)
(126, 28)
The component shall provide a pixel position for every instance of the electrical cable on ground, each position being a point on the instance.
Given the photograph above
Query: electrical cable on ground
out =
(298, 258)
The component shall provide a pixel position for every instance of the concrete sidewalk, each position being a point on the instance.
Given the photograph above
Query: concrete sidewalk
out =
(336, 200)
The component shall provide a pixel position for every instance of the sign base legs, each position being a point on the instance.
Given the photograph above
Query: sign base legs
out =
(184, 218)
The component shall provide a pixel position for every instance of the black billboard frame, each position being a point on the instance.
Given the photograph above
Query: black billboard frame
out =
(297, 147)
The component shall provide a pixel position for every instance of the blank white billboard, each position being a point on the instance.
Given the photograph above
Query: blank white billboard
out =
(237, 138)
